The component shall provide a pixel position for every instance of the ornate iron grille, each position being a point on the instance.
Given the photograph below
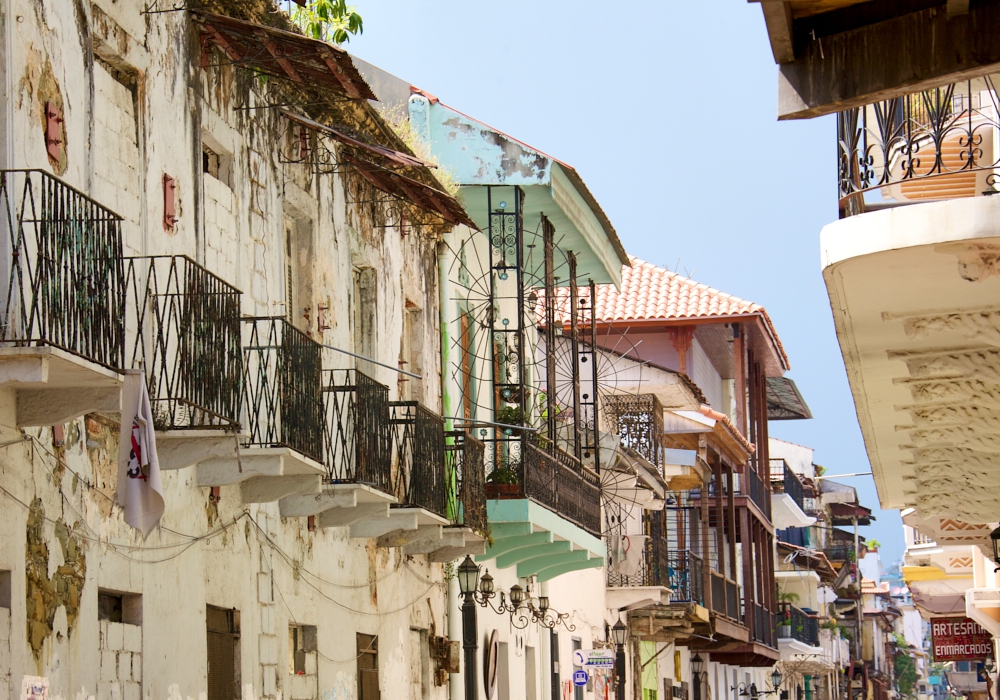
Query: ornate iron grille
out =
(465, 459)
(639, 421)
(186, 325)
(937, 133)
(419, 453)
(358, 440)
(283, 401)
(801, 625)
(64, 272)
(559, 482)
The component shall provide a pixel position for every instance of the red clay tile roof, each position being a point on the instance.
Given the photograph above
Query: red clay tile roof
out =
(650, 293)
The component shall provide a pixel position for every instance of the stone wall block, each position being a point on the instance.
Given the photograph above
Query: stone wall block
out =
(109, 665)
(109, 690)
(270, 679)
(4, 625)
(268, 649)
(132, 691)
(116, 636)
(133, 638)
(264, 588)
(267, 619)
(310, 664)
(124, 666)
(137, 668)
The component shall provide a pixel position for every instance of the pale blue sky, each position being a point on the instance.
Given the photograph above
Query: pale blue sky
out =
(667, 109)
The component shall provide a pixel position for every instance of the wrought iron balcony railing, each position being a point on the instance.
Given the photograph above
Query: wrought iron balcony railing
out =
(465, 457)
(282, 392)
(358, 440)
(184, 328)
(639, 423)
(559, 482)
(935, 144)
(64, 276)
(786, 481)
(419, 454)
(753, 486)
(679, 570)
(794, 623)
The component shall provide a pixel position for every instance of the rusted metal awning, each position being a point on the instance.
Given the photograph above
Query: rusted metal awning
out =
(283, 54)
(380, 154)
(427, 198)
(784, 400)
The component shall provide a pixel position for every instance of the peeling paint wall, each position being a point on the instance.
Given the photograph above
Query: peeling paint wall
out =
(137, 106)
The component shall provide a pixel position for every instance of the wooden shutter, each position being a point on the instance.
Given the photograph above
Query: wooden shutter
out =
(367, 667)
(222, 638)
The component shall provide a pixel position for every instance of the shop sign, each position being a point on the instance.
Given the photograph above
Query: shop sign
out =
(959, 639)
(597, 658)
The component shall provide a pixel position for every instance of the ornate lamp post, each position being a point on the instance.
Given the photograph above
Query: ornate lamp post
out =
(697, 668)
(468, 583)
(618, 634)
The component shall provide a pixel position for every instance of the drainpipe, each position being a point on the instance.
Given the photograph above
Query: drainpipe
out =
(455, 680)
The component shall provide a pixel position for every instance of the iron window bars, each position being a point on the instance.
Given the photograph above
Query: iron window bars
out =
(64, 277)
(358, 440)
(282, 374)
(186, 325)
(418, 454)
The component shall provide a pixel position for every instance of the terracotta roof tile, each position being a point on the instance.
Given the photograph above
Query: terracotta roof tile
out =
(651, 293)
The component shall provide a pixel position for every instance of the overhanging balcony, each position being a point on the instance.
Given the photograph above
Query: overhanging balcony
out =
(544, 513)
(62, 335)
(787, 498)
(184, 329)
(911, 271)
(798, 629)
(283, 416)
(466, 480)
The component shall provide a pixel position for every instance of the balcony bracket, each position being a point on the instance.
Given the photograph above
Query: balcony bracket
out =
(268, 461)
(267, 489)
(398, 519)
(634, 597)
(180, 449)
(338, 497)
(429, 530)
(361, 513)
(54, 386)
(472, 543)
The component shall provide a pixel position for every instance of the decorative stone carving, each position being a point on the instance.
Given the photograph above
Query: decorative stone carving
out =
(976, 261)
(974, 363)
(956, 390)
(982, 325)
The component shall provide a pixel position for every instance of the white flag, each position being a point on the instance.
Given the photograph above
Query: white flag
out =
(139, 491)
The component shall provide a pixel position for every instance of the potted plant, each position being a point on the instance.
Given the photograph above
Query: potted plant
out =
(504, 482)
(510, 415)
(786, 599)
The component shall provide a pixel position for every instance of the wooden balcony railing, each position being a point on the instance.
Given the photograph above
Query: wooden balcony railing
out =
(727, 597)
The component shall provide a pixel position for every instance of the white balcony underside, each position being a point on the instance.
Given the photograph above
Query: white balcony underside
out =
(54, 387)
(915, 294)
(264, 474)
(785, 513)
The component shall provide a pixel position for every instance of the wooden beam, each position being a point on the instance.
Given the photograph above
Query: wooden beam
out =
(957, 7)
(338, 73)
(279, 56)
(898, 56)
(778, 18)
(221, 42)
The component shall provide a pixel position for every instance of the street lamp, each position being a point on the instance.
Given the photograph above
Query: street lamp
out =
(618, 634)
(995, 536)
(468, 582)
(697, 667)
(751, 691)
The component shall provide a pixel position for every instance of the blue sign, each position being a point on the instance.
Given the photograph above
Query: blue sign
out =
(580, 677)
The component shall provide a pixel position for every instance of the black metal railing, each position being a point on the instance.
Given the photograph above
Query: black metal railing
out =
(757, 491)
(679, 570)
(418, 455)
(685, 573)
(184, 330)
(64, 276)
(726, 598)
(839, 552)
(282, 392)
(638, 421)
(559, 482)
(797, 624)
(784, 480)
(357, 445)
(764, 629)
(465, 457)
(939, 136)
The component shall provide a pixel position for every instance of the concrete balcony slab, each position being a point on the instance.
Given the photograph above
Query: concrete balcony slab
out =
(54, 386)
(635, 597)
(397, 519)
(472, 544)
(428, 533)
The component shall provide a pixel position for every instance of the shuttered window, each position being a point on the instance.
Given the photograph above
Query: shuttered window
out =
(367, 667)
(223, 653)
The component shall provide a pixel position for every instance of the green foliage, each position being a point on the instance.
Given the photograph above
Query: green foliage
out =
(789, 597)
(328, 20)
(510, 415)
(504, 474)
(398, 118)
(905, 673)
(874, 544)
